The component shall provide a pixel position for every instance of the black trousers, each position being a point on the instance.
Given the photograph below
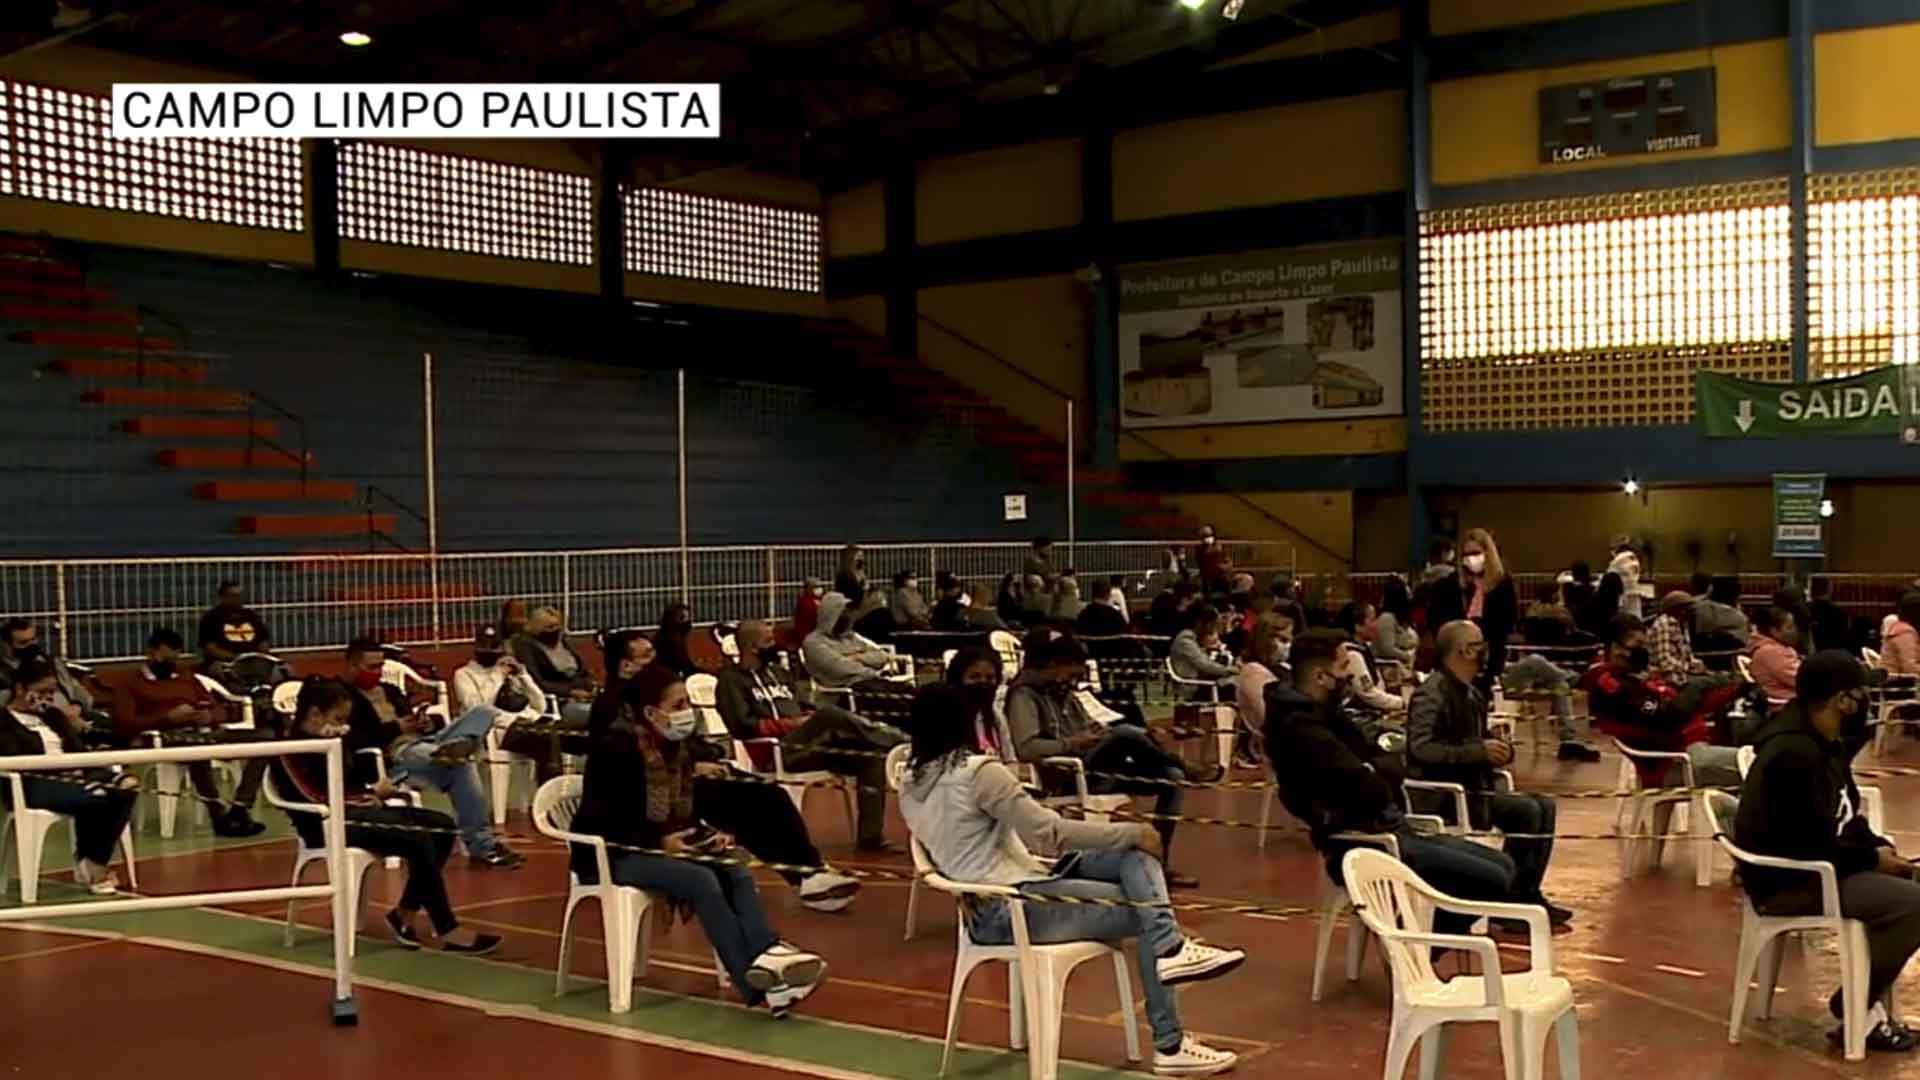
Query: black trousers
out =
(99, 810)
(200, 773)
(761, 818)
(425, 852)
(811, 746)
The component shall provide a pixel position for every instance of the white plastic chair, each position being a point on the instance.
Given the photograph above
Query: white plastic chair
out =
(1529, 1005)
(1037, 975)
(625, 911)
(701, 694)
(1223, 722)
(1335, 902)
(170, 782)
(404, 678)
(26, 831)
(1759, 959)
(896, 777)
(1007, 644)
(359, 861)
(1873, 805)
(1649, 819)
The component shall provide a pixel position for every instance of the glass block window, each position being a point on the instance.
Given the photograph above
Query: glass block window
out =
(1863, 273)
(419, 198)
(680, 234)
(58, 145)
(1596, 311)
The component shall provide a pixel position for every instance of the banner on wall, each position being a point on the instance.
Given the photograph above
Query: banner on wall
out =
(1799, 531)
(1309, 333)
(1885, 401)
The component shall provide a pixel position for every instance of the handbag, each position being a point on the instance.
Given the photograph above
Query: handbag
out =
(510, 698)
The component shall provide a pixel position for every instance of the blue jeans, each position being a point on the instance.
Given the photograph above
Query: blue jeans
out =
(99, 812)
(1535, 672)
(1111, 875)
(1461, 868)
(724, 898)
(413, 765)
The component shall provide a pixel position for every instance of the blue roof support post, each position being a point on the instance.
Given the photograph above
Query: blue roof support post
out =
(610, 235)
(903, 284)
(1416, 30)
(1103, 355)
(1800, 89)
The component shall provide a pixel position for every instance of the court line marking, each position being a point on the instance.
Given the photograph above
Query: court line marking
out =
(1675, 969)
(52, 950)
(1720, 1022)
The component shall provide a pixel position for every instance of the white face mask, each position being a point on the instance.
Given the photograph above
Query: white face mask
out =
(679, 725)
(914, 584)
(1283, 650)
(965, 600)
(1476, 563)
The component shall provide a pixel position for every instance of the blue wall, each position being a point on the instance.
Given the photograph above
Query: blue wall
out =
(555, 423)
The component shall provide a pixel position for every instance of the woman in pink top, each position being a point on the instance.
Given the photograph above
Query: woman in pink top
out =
(1900, 645)
(1774, 662)
(1262, 662)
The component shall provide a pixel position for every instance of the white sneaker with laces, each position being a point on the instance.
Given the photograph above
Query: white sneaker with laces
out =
(827, 891)
(1197, 961)
(99, 880)
(783, 997)
(783, 965)
(1193, 1058)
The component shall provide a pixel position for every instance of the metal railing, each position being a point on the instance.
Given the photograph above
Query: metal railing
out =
(373, 495)
(102, 610)
(255, 401)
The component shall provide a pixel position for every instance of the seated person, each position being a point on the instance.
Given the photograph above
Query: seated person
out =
(759, 814)
(380, 717)
(950, 609)
(423, 838)
(1010, 603)
(1631, 702)
(975, 672)
(1395, 638)
(1670, 641)
(1447, 741)
(1900, 644)
(908, 608)
(1194, 649)
(873, 617)
(806, 611)
(1100, 619)
(978, 610)
(543, 649)
(756, 700)
(670, 640)
(230, 629)
(1718, 622)
(1046, 719)
(1364, 690)
(19, 645)
(37, 722)
(1115, 595)
(978, 826)
(497, 678)
(1262, 663)
(1800, 801)
(1773, 654)
(1167, 615)
(162, 698)
(1333, 779)
(837, 658)
(639, 794)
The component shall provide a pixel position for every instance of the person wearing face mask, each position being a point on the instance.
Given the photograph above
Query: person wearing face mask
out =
(760, 815)
(638, 795)
(1395, 638)
(1626, 563)
(1336, 781)
(424, 759)
(907, 606)
(975, 672)
(543, 649)
(497, 679)
(837, 657)
(37, 722)
(1448, 741)
(850, 580)
(1799, 801)
(422, 838)
(1194, 651)
(162, 697)
(978, 611)
(670, 641)
(950, 609)
(1211, 560)
(1774, 657)
(19, 645)
(1261, 664)
(806, 611)
(1364, 690)
(1631, 701)
(757, 701)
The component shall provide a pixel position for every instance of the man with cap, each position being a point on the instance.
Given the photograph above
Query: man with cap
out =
(1670, 640)
(1800, 801)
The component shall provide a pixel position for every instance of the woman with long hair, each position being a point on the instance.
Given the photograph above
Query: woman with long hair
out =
(638, 795)
(421, 838)
(978, 825)
(1262, 663)
(975, 671)
(1011, 602)
(1394, 636)
(670, 640)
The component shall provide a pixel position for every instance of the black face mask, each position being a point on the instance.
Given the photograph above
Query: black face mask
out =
(768, 654)
(1639, 660)
(486, 659)
(1853, 725)
(550, 638)
(28, 652)
(162, 669)
(979, 695)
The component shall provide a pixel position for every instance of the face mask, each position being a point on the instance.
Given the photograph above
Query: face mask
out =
(979, 695)
(1476, 564)
(162, 669)
(818, 593)
(914, 584)
(1206, 538)
(31, 651)
(486, 659)
(769, 654)
(679, 725)
(1639, 660)
(550, 638)
(1282, 650)
(366, 678)
(964, 600)
(36, 703)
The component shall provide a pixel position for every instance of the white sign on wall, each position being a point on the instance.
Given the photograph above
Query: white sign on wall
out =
(1016, 507)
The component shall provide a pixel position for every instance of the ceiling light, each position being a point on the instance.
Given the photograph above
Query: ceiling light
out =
(1631, 487)
(1193, 5)
(355, 38)
(1826, 508)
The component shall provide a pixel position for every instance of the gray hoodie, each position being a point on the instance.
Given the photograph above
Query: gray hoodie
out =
(843, 660)
(980, 827)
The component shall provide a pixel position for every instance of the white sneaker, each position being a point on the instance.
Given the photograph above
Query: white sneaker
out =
(784, 965)
(1196, 961)
(827, 891)
(99, 880)
(1194, 1058)
(782, 998)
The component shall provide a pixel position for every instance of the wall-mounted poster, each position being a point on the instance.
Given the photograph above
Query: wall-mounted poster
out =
(1297, 334)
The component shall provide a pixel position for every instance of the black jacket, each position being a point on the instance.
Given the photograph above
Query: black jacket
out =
(1799, 801)
(1100, 620)
(1448, 601)
(1329, 775)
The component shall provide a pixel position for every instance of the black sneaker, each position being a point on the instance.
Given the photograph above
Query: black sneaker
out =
(236, 822)
(501, 857)
(403, 932)
(481, 945)
(1556, 915)
(1573, 751)
(1885, 1038)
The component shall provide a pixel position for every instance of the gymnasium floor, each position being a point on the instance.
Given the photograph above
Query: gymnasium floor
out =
(181, 991)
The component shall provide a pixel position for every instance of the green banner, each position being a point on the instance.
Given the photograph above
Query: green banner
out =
(1880, 402)
(1798, 531)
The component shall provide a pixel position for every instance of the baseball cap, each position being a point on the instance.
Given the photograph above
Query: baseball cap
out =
(1675, 601)
(487, 639)
(1830, 672)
